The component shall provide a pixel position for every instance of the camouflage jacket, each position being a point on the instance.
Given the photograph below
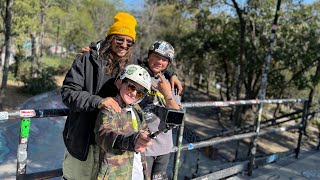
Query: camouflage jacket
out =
(116, 134)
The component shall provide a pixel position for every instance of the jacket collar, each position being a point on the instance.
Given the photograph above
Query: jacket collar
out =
(94, 53)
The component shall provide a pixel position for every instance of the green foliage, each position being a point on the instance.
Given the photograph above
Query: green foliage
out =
(212, 47)
(54, 22)
(2, 11)
(57, 61)
(296, 53)
(42, 83)
(60, 64)
(25, 16)
(206, 35)
(81, 22)
(45, 79)
(24, 67)
(34, 85)
(316, 122)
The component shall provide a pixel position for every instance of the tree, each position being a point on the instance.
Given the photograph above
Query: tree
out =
(8, 21)
(26, 24)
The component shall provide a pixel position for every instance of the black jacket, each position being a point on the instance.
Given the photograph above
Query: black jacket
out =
(85, 85)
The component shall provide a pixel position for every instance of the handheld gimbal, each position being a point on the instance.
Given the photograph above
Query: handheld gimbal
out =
(173, 119)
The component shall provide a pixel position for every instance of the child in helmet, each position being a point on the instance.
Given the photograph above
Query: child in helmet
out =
(160, 55)
(123, 137)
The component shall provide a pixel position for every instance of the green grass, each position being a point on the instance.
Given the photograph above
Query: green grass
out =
(57, 61)
(60, 64)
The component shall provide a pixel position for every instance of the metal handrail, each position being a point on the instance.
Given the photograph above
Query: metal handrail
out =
(26, 114)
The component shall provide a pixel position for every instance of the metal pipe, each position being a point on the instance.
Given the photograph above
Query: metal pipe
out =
(241, 102)
(262, 90)
(22, 152)
(28, 113)
(13, 115)
(178, 152)
(216, 141)
(302, 129)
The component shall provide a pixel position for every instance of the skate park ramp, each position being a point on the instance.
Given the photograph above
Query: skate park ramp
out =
(45, 147)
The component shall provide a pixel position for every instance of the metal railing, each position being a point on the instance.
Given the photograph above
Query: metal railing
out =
(247, 165)
(26, 114)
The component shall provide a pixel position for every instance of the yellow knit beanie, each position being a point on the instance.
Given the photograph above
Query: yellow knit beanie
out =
(124, 24)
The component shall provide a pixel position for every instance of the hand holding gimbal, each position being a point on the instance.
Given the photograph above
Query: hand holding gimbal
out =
(173, 119)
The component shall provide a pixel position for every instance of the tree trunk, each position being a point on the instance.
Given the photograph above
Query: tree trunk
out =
(199, 81)
(241, 64)
(226, 80)
(1, 50)
(42, 18)
(208, 86)
(314, 85)
(240, 68)
(8, 21)
(57, 38)
(34, 63)
(18, 58)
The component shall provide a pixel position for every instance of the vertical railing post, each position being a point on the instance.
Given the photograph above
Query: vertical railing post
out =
(22, 153)
(253, 146)
(178, 153)
(302, 127)
(263, 87)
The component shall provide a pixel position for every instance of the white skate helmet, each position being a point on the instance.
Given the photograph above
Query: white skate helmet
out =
(137, 74)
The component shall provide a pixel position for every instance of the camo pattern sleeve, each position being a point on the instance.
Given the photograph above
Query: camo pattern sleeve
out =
(110, 126)
(115, 163)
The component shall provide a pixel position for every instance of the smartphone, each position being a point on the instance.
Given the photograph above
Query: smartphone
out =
(174, 117)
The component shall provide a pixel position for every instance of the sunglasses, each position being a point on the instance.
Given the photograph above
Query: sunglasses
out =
(131, 88)
(119, 41)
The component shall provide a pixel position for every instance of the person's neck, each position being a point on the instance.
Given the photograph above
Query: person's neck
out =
(157, 74)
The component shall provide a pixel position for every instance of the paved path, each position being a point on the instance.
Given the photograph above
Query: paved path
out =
(306, 167)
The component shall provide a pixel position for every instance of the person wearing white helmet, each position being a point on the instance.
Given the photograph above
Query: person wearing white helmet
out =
(161, 55)
(123, 136)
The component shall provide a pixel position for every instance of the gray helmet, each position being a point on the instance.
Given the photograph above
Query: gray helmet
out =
(164, 49)
(137, 74)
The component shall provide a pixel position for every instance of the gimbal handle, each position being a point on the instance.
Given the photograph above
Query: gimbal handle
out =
(155, 134)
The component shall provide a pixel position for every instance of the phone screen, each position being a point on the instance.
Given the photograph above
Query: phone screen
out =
(174, 117)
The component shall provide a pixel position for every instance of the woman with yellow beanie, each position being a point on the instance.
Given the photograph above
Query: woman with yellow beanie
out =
(88, 87)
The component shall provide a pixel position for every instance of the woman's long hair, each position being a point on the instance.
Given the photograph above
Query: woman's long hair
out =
(114, 66)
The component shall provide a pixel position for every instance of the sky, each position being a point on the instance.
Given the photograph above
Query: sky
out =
(139, 3)
(134, 4)
(309, 1)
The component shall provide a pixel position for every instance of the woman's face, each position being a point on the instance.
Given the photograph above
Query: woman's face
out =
(157, 63)
(131, 92)
(120, 45)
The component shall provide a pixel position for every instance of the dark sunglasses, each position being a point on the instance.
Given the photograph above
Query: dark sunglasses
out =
(131, 88)
(119, 41)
